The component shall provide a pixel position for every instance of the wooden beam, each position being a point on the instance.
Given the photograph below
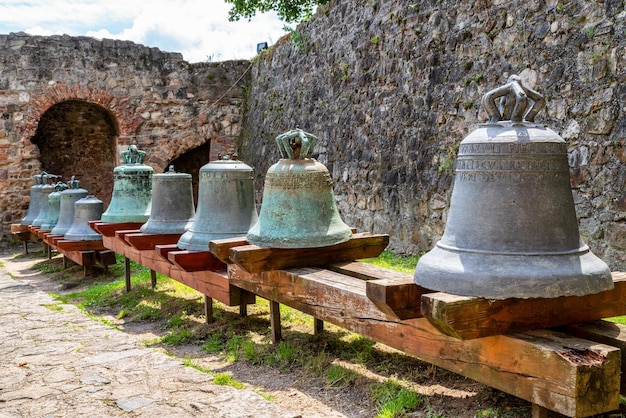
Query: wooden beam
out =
(143, 241)
(109, 229)
(277, 333)
(195, 260)
(603, 332)
(571, 376)
(164, 249)
(221, 248)
(66, 245)
(255, 259)
(467, 317)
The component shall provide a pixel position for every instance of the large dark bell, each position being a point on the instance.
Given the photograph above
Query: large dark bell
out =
(512, 230)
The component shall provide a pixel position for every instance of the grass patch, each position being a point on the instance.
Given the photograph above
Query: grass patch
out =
(404, 264)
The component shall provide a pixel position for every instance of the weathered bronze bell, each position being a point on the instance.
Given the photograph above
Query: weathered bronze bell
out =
(512, 230)
(226, 206)
(46, 189)
(88, 208)
(172, 210)
(54, 207)
(132, 189)
(66, 207)
(35, 200)
(298, 208)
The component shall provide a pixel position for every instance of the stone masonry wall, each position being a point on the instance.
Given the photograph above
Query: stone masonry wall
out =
(392, 87)
(165, 104)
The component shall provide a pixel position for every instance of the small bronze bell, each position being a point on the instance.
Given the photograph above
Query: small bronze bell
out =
(512, 230)
(46, 189)
(132, 189)
(66, 209)
(298, 208)
(35, 200)
(54, 207)
(172, 210)
(86, 209)
(226, 206)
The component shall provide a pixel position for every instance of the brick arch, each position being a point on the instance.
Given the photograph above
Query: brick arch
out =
(126, 120)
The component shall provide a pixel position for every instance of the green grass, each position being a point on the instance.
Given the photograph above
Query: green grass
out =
(336, 359)
(404, 264)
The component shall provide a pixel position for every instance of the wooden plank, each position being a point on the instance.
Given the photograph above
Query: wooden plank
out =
(121, 234)
(394, 293)
(603, 332)
(143, 241)
(23, 236)
(466, 317)
(106, 257)
(164, 249)
(82, 258)
(255, 259)
(66, 245)
(214, 284)
(568, 375)
(109, 229)
(16, 228)
(221, 248)
(195, 260)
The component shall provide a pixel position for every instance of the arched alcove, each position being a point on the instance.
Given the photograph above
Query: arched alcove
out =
(191, 162)
(77, 138)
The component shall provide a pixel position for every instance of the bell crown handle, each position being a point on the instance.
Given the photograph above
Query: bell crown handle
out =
(514, 102)
(133, 155)
(296, 144)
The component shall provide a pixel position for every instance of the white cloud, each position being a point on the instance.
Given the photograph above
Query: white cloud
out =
(199, 29)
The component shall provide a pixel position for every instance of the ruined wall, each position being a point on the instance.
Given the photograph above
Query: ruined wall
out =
(103, 94)
(392, 87)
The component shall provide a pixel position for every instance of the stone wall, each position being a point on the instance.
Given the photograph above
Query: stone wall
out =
(69, 105)
(392, 87)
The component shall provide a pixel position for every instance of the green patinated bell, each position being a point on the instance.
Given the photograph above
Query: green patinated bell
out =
(66, 206)
(298, 208)
(512, 230)
(36, 199)
(46, 189)
(226, 207)
(172, 210)
(131, 199)
(54, 207)
(86, 209)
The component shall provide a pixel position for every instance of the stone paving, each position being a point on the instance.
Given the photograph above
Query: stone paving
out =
(57, 362)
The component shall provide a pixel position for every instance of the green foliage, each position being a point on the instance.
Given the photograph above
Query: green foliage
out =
(287, 10)
(299, 40)
(404, 264)
(393, 399)
(376, 40)
(226, 379)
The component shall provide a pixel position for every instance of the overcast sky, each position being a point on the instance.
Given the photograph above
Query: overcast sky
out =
(199, 29)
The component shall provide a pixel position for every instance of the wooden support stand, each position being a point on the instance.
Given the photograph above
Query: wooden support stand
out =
(213, 283)
(21, 233)
(466, 317)
(255, 259)
(572, 376)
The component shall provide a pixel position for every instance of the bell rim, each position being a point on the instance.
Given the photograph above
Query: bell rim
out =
(580, 250)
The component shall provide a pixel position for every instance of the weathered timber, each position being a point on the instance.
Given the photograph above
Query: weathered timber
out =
(603, 332)
(571, 376)
(164, 249)
(86, 258)
(221, 248)
(122, 233)
(191, 261)
(15, 228)
(109, 229)
(255, 259)
(66, 245)
(468, 317)
(214, 284)
(393, 292)
(143, 241)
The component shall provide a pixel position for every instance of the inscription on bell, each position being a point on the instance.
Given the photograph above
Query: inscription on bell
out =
(306, 180)
(511, 164)
(507, 148)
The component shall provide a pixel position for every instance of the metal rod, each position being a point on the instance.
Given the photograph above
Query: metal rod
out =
(318, 326)
(208, 309)
(153, 278)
